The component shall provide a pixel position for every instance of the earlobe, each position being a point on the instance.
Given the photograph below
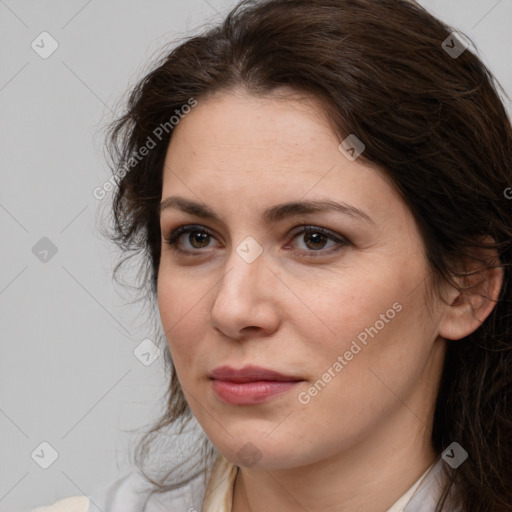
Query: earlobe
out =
(468, 307)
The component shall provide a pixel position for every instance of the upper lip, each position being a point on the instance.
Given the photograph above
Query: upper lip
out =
(249, 374)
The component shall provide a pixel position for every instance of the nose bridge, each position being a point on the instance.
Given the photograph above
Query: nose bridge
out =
(244, 295)
(246, 267)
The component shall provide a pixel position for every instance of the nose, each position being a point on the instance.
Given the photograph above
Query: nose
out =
(246, 299)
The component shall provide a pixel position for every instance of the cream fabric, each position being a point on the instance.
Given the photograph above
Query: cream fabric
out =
(219, 491)
(74, 504)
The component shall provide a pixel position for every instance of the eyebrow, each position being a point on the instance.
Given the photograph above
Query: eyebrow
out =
(273, 214)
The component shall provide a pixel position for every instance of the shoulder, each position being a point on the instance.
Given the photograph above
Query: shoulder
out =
(73, 504)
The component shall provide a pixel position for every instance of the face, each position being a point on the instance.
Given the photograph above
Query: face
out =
(267, 272)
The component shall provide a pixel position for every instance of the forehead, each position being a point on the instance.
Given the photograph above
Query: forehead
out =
(260, 150)
(235, 132)
(236, 123)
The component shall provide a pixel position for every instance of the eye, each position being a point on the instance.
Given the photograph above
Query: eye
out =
(199, 237)
(315, 240)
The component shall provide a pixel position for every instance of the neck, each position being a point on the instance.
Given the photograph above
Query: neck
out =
(350, 483)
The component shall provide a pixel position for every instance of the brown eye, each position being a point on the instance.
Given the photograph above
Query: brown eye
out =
(198, 238)
(316, 239)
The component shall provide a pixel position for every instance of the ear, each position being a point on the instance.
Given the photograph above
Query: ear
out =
(468, 306)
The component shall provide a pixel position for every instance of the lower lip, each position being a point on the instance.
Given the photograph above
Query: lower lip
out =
(247, 393)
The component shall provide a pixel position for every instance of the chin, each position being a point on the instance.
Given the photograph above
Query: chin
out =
(253, 450)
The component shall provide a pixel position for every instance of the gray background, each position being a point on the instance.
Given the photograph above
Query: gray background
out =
(68, 373)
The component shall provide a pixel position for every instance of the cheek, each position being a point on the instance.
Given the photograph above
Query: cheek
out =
(179, 307)
(348, 397)
(373, 324)
(346, 306)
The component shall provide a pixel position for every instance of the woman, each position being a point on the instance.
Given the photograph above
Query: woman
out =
(319, 189)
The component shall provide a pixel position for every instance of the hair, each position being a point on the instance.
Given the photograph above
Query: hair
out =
(433, 124)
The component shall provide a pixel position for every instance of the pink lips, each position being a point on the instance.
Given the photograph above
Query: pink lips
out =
(249, 385)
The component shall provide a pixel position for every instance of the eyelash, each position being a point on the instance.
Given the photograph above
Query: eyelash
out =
(173, 239)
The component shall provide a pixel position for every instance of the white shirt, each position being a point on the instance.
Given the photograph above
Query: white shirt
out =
(130, 493)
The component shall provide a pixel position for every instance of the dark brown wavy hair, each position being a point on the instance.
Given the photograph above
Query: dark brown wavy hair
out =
(434, 124)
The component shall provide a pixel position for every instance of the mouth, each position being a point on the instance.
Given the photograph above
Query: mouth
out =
(250, 385)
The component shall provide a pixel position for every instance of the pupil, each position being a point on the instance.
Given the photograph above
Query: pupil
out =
(198, 235)
(318, 238)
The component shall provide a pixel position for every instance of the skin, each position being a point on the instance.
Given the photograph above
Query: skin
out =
(364, 439)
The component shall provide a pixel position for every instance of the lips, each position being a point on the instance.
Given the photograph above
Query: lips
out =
(250, 374)
(250, 385)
